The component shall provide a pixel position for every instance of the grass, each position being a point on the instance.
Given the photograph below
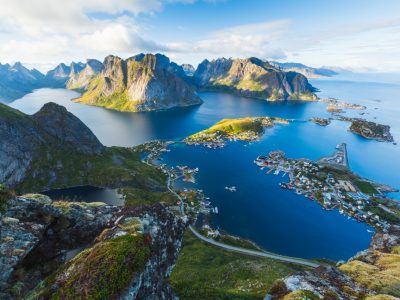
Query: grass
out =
(365, 187)
(115, 167)
(382, 276)
(137, 197)
(100, 272)
(203, 271)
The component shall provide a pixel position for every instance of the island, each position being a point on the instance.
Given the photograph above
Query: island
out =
(331, 183)
(335, 106)
(243, 129)
(321, 121)
(371, 130)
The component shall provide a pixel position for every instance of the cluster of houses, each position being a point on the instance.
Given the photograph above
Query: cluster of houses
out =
(311, 179)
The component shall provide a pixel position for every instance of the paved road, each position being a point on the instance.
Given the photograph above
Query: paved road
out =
(255, 253)
(238, 249)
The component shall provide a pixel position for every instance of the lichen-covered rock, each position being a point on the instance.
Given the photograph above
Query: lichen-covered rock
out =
(35, 233)
(378, 268)
(322, 282)
(132, 259)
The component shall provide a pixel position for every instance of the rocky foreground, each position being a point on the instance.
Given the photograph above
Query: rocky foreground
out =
(371, 274)
(123, 253)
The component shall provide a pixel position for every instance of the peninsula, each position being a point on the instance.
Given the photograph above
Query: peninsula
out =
(240, 129)
(330, 182)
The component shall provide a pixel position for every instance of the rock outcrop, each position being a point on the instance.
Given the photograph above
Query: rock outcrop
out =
(141, 83)
(253, 77)
(371, 274)
(23, 138)
(118, 253)
(36, 233)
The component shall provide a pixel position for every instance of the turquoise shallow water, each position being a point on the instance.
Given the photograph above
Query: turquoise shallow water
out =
(277, 219)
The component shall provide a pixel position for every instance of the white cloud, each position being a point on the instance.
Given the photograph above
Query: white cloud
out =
(260, 39)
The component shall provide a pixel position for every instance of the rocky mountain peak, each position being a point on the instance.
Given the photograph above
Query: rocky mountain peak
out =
(58, 122)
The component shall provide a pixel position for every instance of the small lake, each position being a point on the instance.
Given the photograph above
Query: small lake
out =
(86, 194)
(278, 220)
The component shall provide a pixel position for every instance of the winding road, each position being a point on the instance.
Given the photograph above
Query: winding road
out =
(253, 252)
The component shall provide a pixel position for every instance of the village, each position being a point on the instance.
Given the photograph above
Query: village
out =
(329, 182)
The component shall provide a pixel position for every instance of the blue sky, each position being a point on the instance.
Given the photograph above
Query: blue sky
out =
(358, 35)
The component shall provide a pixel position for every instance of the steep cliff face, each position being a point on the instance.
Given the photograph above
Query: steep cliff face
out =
(254, 78)
(141, 83)
(24, 136)
(80, 80)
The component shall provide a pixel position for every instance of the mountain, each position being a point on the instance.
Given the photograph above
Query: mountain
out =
(188, 69)
(51, 127)
(16, 81)
(80, 80)
(140, 83)
(307, 71)
(252, 77)
(58, 76)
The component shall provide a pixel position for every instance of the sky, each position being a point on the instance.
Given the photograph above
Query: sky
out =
(360, 35)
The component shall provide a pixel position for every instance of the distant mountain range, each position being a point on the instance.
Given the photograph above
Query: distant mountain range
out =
(307, 71)
(151, 81)
(16, 81)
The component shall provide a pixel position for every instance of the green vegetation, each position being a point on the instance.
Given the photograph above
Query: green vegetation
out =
(381, 276)
(302, 295)
(248, 128)
(136, 197)
(237, 242)
(115, 167)
(118, 100)
(365, 187)
(303, 96)
(100, 272)
(206, 272)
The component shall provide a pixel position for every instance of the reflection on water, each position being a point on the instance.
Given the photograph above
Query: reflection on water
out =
(86, 194)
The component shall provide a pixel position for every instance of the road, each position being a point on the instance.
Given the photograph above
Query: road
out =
(253, 252)
(238, 249)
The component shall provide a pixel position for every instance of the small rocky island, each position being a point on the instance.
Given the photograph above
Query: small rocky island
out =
(371, 130)
(240, 129)
(321, 121)
(335, 106)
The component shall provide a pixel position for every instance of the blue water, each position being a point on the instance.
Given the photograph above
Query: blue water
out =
(276, 219)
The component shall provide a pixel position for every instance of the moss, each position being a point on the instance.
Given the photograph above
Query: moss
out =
(43, 199)
(203, 271)
(101, 272)
(382, 276)
(301, 295)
